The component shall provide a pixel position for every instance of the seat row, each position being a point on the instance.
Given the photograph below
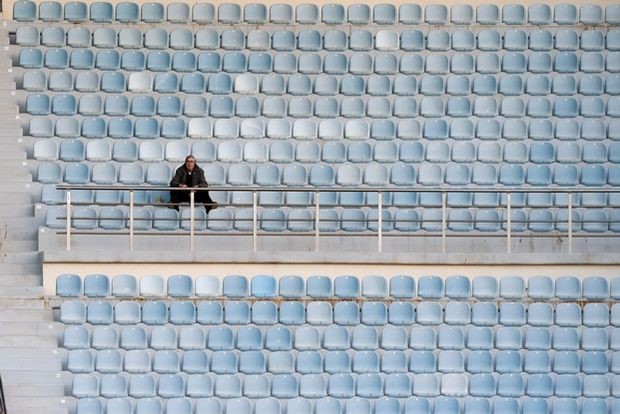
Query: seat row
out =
(348, 220)
(350, 314)
(231, 13)
(323, 107)
(322, 85)
(564, 129)
(315, 40)
(335, 152)
(328, 405)
(361, 338)
(285, 386)
(313, 63)
(347, 174)
(591, 288)
(195, 361)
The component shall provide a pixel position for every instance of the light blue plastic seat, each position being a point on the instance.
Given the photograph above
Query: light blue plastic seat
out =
(360, 14)
(229, 387)
(332, 14)
(29, 36)
(50, 11)
(611, 14)
(255, 13)
(177, 13)
(480, 362)
(127, 313)
(105, 38)
(203, 13)
(346, 314)
(69, 285)
(165, 362)
(567, 314)
(31, 58)
(80, 361)
(229, 13)
(134, 338)
(234, 62)
(24, 11)
(594, 362)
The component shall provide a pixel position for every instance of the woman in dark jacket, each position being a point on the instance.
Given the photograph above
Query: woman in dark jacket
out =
(190, 175)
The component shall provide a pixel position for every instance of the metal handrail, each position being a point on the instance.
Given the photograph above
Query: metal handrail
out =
(364, 189)
(2, 398)
(508, 191)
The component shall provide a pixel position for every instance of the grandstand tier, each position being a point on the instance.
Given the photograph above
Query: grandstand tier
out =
(371, 345)
(418, 208)
(384, 99)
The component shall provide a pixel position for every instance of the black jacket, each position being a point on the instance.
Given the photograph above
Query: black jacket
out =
(198, 177)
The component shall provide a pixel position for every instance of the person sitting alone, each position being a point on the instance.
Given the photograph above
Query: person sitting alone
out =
(190, 175)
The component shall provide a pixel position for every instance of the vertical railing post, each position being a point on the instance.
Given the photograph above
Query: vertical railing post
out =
(508, 223)
(254, 220)
(131, 218)
(570, 223)
(443, 221)
(192, 197)
(68, 222)
(317, 231)
(380, 222)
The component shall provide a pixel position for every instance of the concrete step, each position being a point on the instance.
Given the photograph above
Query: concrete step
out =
(16, 246)
(26, 315)
(8, 85)
(13, 155)
(20, 258)
(5, 61)
(26, 303)
(39, 390)
(22, 292)
(18, 176)
(29, 364)
(8, 108)
(18, 227)
(40, 404)
(34, 353)
(19, 269)
(12, 130)
(16, 210)
(52, 329)
(16, 143)
(17, 166)
(23, 281)
(32, 341)
(35, 377)
(50, 410)
(12, 234)
(17, 187)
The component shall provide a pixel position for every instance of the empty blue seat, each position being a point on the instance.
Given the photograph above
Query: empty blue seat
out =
(96, 285)
(567, 288)
(50, 11)
(24, 11)
(127, 12)
(480, 362)
(595, 288)
(237, 313)
(235, 286)
(68, 285)
(537, 338)
(595, 363)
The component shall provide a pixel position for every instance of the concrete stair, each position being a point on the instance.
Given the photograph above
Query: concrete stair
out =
(31, 363)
